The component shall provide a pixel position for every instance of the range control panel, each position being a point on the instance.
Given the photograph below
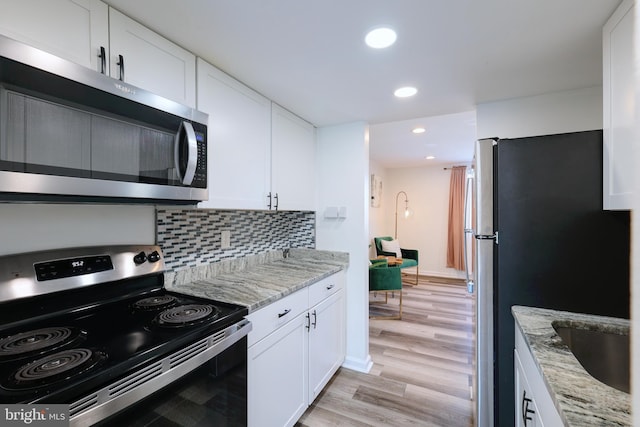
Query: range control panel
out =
(60, 269)
(39, 273)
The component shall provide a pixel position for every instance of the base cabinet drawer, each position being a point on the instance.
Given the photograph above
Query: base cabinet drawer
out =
(269, 318)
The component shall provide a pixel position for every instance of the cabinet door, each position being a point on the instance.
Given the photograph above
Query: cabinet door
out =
(71, 29)
(151, 62)
(534, 405)
(293, 151)
(326, 342)
(618, 108)
(277, 376)
(239, 135)
(527, 414)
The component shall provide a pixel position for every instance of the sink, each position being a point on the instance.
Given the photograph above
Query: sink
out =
(604, 354)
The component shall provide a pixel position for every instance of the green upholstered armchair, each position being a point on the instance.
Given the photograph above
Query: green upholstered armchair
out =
(383, 278)
(409, 256)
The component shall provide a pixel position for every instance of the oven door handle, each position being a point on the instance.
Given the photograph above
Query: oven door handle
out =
(131, 389)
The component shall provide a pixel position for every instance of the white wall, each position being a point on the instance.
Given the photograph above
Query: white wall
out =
(377, 216)
(552, 113)
(33, 227)
(427, 189)
(343, 180)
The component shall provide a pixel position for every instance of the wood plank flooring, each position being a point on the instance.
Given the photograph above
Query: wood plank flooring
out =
(423, 364)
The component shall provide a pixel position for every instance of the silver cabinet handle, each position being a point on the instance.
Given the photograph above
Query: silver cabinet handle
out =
(315, 319)
(330, 287)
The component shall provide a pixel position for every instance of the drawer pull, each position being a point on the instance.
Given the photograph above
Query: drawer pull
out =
(330, 287)
(284, 313)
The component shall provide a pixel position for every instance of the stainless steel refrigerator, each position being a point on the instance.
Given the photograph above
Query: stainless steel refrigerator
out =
(541, 239)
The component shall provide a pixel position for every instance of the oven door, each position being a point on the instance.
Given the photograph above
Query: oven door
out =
(205, 383)
(213, 395)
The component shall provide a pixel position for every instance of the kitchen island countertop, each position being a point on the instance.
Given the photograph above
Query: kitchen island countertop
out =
(580, 399)
(257, 280)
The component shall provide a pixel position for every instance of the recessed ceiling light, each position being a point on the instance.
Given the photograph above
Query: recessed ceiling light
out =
(419, 129)
(405, 92)
(380, 38)
(430, 157)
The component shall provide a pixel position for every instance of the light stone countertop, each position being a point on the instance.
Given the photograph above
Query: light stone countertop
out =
(580, 399)
(256, 281)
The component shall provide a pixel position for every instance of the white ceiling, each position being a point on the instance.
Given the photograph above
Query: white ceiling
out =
(309, 56)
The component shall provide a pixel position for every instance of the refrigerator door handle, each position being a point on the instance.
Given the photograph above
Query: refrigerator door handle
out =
(487, 237)
(467, 231)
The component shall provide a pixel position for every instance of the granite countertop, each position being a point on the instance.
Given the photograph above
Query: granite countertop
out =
(256, 281)
(580, 399)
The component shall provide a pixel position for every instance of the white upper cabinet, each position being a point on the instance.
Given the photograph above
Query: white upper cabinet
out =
(260, 155)
(293, 153)
(151, 61)
(71, 29)
(618, 108)
(81, 30)
(239, 135)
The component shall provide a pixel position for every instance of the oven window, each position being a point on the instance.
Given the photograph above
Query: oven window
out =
(215, 394)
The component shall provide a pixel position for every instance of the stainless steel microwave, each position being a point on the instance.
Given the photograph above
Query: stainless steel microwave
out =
(71, 133)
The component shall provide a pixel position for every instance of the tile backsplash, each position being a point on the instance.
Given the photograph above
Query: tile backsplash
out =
(192, 237)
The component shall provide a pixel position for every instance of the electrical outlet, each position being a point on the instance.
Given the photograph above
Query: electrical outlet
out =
(225, 239)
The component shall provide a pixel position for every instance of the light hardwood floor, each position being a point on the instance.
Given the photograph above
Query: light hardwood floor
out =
(423, 364)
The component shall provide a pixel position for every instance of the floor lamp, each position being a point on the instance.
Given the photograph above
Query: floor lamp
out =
(407, 212)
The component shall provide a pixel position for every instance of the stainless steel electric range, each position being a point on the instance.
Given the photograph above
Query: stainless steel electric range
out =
(94, 328)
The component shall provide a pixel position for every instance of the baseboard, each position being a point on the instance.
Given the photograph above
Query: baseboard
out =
(435, 274)
(359, 365)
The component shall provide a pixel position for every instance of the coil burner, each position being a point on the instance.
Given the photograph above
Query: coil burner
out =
(55, 367)
(155, 303)
(38, 342)
(187, 315)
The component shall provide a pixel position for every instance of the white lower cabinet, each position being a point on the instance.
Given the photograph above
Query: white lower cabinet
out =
(296, 346)
(326, 337)
(534, 406)
(277, 367)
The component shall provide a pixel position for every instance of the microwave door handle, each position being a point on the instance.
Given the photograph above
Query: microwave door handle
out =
(192, 153)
